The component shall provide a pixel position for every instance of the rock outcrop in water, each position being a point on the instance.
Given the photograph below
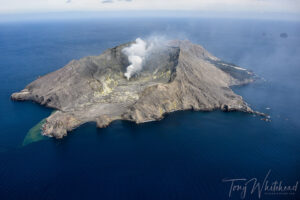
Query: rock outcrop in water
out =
(180, 76)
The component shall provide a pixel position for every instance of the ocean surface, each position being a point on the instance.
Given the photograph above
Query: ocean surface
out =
(187, 155)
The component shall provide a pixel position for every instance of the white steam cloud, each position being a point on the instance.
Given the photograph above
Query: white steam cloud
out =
(136, 54)
(138, 51)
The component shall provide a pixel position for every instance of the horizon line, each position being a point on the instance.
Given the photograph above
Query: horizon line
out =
(62, 15)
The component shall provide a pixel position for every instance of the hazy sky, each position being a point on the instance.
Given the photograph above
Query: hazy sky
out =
(40, 6)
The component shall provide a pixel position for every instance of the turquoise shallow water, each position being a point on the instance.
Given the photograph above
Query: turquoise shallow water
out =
(184, 156)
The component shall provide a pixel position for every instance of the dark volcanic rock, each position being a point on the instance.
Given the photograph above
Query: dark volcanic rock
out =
(180, 76)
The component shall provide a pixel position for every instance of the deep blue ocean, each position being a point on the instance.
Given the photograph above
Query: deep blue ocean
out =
(185, 156)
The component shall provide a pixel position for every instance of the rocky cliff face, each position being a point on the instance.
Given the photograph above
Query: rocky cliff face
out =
(179, 76)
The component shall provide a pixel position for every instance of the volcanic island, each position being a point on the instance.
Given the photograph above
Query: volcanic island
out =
(139, 81)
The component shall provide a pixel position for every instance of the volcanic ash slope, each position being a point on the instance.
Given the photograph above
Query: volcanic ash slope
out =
(178, 75)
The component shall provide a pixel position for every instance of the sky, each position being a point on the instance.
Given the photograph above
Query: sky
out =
(215, 6)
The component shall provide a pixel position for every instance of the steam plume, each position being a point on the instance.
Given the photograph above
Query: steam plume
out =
(139, 51)
(136, 54)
